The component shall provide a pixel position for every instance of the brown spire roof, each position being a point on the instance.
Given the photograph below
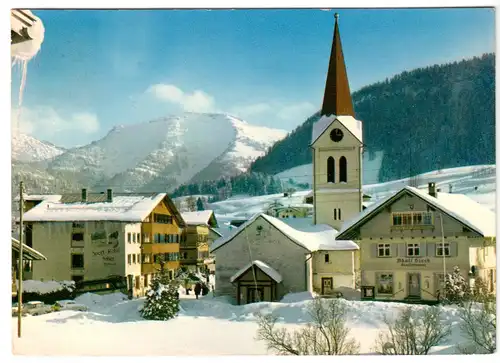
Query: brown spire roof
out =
(337, 99)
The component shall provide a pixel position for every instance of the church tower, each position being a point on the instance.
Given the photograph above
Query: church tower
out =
(337, 143)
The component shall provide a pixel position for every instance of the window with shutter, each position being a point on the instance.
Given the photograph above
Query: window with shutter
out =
(413, 249)
(443, 249)
(384, 250)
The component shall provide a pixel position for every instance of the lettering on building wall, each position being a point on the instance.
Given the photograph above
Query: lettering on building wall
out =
(413, 262)
(107, 255)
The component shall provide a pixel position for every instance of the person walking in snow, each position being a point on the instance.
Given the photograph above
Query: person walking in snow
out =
(197, 289)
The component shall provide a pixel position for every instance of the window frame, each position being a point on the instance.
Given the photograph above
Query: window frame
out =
(384, 247)
(413, 219)
(146, 258)
(327, 258)
(414, 247)
(440, 247)
(378, 284)
(73, 267)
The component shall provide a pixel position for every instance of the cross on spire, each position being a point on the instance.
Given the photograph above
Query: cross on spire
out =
(337, 98)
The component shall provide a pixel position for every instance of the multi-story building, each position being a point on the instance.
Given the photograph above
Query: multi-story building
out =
(196, 239)
(94, 236)
(409, 240)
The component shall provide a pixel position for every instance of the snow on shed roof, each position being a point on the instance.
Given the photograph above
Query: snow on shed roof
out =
(268, 270)
(312, 238)
(35, 197)
(205, 217)
(28, 252)
(349, 122)
(131, 207)
(458, 206)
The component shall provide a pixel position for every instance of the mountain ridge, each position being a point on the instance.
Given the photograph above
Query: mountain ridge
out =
(162, 153)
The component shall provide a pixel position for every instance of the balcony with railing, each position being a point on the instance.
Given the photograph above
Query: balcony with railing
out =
(412, 220)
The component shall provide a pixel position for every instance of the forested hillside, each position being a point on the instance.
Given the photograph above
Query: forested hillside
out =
(430, 118)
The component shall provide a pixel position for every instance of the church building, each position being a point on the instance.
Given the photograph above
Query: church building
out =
(337, 143)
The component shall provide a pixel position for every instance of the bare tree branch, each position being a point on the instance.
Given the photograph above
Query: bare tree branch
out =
(326, 334)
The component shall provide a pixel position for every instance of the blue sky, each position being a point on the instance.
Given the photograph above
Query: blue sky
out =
(97, 69)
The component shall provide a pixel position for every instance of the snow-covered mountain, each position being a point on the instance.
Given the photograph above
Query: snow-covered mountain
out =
(166, 152)
(26, 148)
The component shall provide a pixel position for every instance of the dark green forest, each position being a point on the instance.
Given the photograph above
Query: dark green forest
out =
(247, 183)
(430, 118)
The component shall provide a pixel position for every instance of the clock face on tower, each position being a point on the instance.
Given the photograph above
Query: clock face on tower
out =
(336, 135)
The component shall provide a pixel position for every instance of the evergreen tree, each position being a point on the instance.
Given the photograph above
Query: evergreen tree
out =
(199, 204)
(162, 298)
(456, 287)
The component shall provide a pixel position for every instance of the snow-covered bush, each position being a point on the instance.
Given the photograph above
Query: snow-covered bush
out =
(411, 334)
(457, 288)
(47, 292)
(327, 334)
(162, 299)
(479, 326)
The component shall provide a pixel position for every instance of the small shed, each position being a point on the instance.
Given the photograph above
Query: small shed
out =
(256, 282)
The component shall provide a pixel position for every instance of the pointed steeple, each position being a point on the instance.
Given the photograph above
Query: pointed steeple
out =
(337, 99)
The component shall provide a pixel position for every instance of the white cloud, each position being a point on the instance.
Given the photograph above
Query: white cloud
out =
(197, 101)
(290, 113)
(251, 110)
(45, 122)
(296, 112)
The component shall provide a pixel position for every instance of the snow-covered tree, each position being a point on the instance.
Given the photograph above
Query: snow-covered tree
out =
(191, 203)
(326, 334)
(457, 288)
(162, 298)
(413, 332)
(478, 325)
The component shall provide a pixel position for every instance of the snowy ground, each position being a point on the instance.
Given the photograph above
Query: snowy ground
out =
(209, 326)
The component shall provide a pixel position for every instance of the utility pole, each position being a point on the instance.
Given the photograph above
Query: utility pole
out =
(20, 267)
(444, 255)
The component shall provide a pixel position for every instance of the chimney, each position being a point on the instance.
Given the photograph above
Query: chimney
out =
(110, 195)
(432, 189)
(84, 195)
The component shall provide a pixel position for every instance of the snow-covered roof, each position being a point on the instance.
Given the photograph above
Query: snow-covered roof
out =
(28, 252)
(35, 197)
(312, 238)
(463, 208)
(126, 208)
(268, 270)
(292, 206)
(349, 122)
(204, 217)
(459, 206)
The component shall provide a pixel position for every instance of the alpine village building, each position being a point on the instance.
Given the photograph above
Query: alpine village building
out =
(93, 236)
(397, 248)
(197, 238)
